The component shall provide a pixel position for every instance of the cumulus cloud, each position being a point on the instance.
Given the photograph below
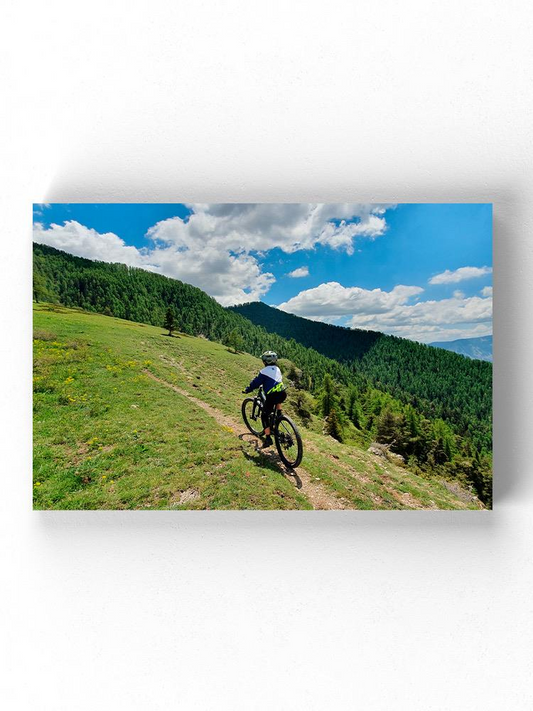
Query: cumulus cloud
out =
(83, 241)
(217, 246)
(461, 274)
(260, 227)
(486, 291)
(398, 312)
(230, 278)
(427, 319)
(299, 273)
(334, 300)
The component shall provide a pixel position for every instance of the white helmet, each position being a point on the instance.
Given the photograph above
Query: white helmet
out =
(269, 358)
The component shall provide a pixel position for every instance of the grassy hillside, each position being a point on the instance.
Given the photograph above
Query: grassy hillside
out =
(126, 417)
(142, 296)
(427, 409)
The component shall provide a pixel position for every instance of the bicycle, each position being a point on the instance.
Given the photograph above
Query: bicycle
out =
(286, 436)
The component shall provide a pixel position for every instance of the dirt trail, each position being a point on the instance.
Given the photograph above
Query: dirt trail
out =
(317, 495)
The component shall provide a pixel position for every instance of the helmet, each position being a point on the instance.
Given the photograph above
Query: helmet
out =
(269, 358)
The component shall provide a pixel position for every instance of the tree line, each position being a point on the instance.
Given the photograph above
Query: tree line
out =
(438, 383)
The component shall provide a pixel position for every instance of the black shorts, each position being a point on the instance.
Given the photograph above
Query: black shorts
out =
(270, 403)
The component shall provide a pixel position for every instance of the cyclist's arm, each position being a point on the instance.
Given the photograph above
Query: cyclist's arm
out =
(256, 382)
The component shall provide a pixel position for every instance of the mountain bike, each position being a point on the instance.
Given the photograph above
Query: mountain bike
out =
(286, 436)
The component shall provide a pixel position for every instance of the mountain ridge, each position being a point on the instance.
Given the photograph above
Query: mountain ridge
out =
(479, 348)
(457, 388)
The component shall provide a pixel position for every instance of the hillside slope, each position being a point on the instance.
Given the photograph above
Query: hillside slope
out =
(126, 417)
(436, 382)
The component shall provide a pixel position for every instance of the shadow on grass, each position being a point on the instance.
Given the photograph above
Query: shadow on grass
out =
(268, 459)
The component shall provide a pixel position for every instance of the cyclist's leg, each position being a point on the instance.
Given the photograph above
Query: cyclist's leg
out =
(272, 402)
(268, 406)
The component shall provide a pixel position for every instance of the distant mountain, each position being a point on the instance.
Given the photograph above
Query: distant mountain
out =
(480, 348)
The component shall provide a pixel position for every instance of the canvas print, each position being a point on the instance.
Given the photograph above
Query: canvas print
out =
(262, 356)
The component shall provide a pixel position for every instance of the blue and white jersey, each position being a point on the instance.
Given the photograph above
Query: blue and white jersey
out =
(270, 378)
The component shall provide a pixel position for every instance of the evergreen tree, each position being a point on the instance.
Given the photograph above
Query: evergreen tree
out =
(353, 408)
(333, 426)
(328, 399)
(170, 321)
(387, 432)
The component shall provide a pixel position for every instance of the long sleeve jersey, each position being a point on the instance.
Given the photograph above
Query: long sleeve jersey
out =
(270, 378)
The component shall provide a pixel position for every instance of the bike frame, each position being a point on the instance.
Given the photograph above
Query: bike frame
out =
(259, 401)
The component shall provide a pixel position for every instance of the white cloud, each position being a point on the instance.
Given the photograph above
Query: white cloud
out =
(486, 291)
(82, 241)
(396, 312)
(299, 273)
(431, 318)
(216, 246)
(461, 274)
(334, 300)
(39, 207)
(264, 226)
(458, 294)
(228, 277)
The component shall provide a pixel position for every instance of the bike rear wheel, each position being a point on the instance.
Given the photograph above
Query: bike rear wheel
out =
(288, 442)
(251, 414)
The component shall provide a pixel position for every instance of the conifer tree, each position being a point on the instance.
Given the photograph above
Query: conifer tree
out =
(170, 321)
(354, 411)
(328, 399)
(387, 427)
(333, 426)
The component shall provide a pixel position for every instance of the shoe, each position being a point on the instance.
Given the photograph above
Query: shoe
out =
(268, 442)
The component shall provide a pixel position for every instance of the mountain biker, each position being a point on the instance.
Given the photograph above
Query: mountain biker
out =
(271, 379)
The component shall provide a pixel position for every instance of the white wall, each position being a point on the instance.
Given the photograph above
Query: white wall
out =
(276, 101)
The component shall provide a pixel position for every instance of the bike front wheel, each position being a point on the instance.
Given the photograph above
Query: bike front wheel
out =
(251, 414)
(288, 442)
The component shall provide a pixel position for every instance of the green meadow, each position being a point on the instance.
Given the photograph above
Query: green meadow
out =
(126, 417)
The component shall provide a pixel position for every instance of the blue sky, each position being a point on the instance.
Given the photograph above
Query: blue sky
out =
(422, 271)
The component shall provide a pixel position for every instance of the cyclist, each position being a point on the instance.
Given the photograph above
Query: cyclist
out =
(272, 381)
